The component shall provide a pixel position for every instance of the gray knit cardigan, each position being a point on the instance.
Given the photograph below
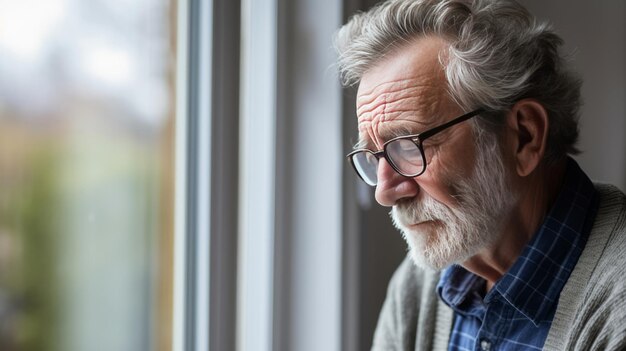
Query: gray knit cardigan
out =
(591, 312)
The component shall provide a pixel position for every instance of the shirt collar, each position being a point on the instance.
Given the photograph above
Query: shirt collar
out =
(534, 282)
(456, 284)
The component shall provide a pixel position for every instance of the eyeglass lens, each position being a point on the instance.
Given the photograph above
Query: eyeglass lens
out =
(404, 155)
(366, 165)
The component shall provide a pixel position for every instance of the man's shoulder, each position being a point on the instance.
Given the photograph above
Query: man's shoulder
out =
(605, 252)
(608, 234)
(591, 312)
(612, 199)
(607, 286)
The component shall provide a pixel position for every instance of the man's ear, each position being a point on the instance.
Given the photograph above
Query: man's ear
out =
(527, 123)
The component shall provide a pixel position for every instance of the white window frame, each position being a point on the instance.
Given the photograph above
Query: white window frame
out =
(300, 114)
(206, 175)
(280, 252)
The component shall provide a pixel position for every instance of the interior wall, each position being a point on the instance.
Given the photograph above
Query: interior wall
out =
(595, 35)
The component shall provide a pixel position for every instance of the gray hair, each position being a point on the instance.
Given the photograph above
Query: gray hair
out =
(498, 54)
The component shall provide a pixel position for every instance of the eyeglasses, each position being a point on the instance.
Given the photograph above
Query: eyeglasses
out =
(405, 154)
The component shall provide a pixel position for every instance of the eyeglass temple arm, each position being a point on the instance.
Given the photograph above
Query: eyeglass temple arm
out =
(448, 124)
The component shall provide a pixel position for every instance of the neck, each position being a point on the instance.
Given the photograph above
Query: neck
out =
(536, 194)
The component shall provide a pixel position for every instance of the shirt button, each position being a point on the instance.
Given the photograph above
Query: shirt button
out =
(485, 345)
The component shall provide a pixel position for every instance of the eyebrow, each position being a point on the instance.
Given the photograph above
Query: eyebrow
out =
(386, 135)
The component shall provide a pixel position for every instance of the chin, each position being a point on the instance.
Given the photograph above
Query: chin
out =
(424, 246)
(434, 245)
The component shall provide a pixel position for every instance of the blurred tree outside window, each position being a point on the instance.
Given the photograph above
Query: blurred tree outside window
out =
(86, 174)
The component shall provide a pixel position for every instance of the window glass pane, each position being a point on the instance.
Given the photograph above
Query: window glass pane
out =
(86, 148)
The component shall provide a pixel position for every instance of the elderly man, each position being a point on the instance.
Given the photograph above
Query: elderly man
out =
(466, 116)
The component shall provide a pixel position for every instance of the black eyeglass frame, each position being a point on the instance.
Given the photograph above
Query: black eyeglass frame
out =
(417, 139)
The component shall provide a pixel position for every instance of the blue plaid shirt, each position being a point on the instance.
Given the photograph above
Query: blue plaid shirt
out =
(517, 312)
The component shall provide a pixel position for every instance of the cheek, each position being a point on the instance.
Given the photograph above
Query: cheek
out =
(443, 173)
(457, 160)
(437, 185)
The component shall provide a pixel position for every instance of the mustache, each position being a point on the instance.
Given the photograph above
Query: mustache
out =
(409, 212)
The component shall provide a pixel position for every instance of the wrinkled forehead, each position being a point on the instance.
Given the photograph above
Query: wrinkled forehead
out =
(408, 87)
(415, 68)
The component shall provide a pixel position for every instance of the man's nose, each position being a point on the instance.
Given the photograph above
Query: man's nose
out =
(392, 186)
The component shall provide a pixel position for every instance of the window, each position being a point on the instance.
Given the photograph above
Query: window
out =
(170, 176)
(86, 174)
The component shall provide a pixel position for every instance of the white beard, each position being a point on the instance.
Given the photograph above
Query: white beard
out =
(452, 235)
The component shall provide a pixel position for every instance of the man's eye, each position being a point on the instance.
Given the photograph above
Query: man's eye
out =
(408, 145)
